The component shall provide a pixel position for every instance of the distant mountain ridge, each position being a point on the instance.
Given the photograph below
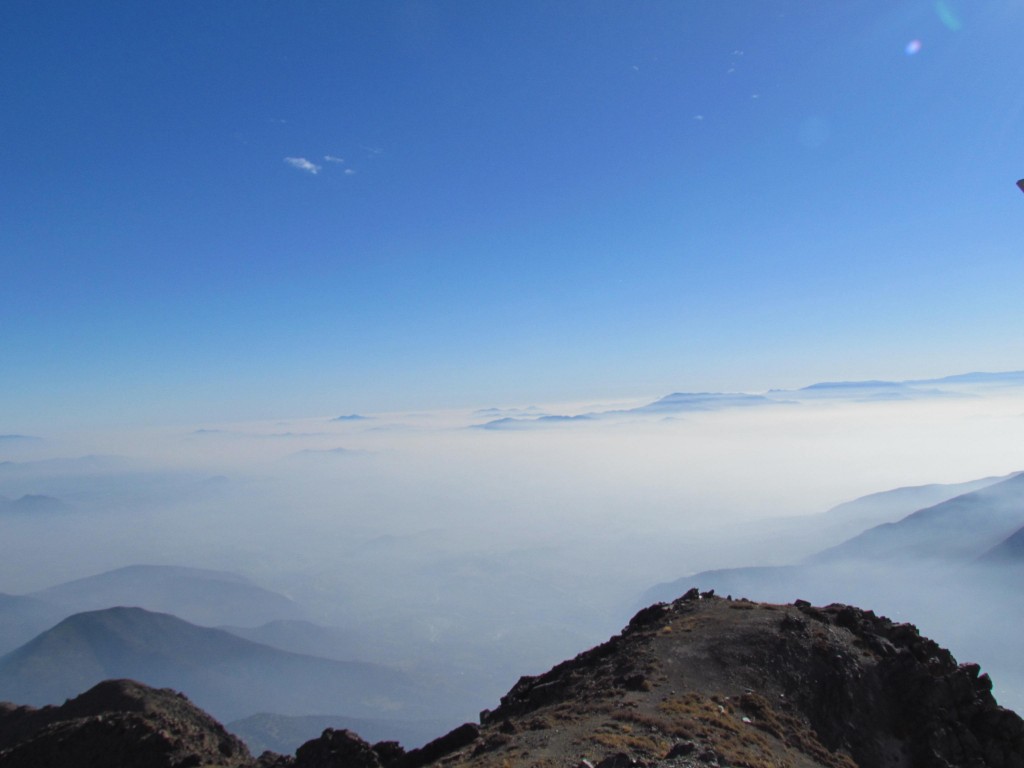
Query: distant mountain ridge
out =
(701, 401)
(198, 595)
(891, 505)
(965, 521)
(229, 676)
(961, 528)
(871, 390)
(299, 636)
(977, 377)
(201, 596)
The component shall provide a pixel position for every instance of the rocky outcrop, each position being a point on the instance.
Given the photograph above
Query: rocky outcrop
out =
(342, 748)
(117, 723)
(334, 748)
(711, 681)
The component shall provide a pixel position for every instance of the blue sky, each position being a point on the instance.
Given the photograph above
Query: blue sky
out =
(240, 210)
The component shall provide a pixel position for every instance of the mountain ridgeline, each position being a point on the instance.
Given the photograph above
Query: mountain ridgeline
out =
(230, 676)
(703, 681)
(198, 595)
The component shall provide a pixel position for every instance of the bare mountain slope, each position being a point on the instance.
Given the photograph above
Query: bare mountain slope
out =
(702, 681)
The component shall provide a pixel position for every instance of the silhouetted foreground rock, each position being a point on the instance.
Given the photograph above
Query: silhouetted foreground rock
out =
(117, 723)
(344, 748)
(702, 681)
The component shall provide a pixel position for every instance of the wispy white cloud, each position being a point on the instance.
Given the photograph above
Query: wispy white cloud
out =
(333, 159)
(303, 164)
(349, 172)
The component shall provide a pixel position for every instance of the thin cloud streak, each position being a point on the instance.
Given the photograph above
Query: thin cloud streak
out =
(303, 164)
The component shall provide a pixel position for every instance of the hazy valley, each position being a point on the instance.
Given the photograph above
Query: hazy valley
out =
(402, 571)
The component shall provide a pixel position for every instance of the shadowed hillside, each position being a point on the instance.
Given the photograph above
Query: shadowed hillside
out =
(228, 675)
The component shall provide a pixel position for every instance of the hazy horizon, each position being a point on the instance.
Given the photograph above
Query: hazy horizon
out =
(458, 540)
(625, 476)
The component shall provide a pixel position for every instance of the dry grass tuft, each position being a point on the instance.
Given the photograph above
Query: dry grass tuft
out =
(791, 731)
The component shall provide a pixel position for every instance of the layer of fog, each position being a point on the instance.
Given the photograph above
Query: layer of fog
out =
(486, 553)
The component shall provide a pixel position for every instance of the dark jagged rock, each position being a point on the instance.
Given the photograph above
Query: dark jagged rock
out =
(452, 741)
(117, 723)
(618, 760)
(337, 749)
(274, 760)
(389, 752)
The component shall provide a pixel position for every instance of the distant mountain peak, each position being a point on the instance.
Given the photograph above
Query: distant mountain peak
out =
(702, 401)
(868, 384)
(231, 676)
(199, 595)
(961, 528)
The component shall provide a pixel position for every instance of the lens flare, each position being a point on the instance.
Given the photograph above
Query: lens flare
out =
(913, 47)
(948, 16)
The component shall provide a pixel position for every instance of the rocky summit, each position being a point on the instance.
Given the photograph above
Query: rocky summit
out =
(703, 681)
(117, 723)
